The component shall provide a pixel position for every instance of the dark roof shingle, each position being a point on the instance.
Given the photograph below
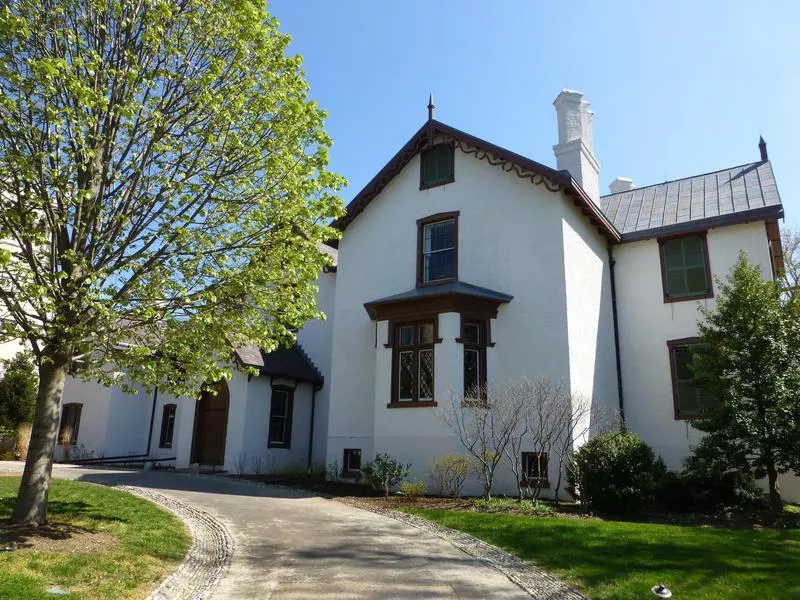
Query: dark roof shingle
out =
(735, 195)
(292, 363)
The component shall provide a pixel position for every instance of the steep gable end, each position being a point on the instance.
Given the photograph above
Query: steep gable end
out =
(523, 167)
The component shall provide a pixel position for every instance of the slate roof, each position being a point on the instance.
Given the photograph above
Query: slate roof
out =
(292, 363)
(453, 287)
(736, 195)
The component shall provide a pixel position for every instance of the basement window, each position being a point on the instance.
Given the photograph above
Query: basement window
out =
(351, 462)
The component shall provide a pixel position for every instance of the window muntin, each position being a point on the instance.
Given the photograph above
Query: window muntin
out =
(437, 166)
(167, 426)
(685, 263)
(70, 424)
(534, 467)
(473, 337)
(352, 460)
(280, 418)
(690, 400)
(414, 363)
(439, 251)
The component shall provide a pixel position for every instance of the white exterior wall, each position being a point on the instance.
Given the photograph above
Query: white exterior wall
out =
(646, 323)
(316, 338)
(93, 427)
(510, 239)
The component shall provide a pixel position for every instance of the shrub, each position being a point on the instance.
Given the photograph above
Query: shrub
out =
(615, 472)
(413, 489)
(384, 472)
(710, 481)
(449, 473)
(18, 386)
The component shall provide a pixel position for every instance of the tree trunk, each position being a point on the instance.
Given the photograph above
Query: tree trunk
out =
(775, 503)
(31, 507)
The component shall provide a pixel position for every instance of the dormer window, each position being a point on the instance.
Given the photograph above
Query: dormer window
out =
(437, 166)
(437, 248)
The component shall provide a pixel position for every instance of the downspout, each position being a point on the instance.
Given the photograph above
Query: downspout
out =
(152, 419)
(620, 396)
(311, 429)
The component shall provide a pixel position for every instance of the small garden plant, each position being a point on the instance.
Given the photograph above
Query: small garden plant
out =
(385, 473)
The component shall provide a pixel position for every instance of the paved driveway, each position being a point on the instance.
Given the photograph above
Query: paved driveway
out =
(289, 544)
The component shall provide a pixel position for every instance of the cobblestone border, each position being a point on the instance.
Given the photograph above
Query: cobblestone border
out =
(538, 583)
(208, 558)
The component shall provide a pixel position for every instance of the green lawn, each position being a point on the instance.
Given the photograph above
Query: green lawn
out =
(149, 542)
(614, 559)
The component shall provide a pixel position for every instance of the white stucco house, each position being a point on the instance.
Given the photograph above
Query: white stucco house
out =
(462, 264)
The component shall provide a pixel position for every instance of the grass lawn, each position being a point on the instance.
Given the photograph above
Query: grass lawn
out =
(101, 543)
(615, 559)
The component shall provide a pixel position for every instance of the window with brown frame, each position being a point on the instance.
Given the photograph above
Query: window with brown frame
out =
(689, 399)
(437, 166)
(167, 425)
(413, 372)
(437, 248)
(474, 337)
(280, 418)
(70, 424)
(534, 468)
(685, 269)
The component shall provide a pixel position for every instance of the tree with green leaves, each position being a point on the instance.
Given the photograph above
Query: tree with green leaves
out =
(17, 391)
(751, 366)
(163, 196)
(790, 242)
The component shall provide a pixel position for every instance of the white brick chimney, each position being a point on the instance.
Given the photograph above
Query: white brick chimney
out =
(575, 149)
(621, 184)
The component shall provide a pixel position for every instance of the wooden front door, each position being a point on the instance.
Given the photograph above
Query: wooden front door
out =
(210, 426)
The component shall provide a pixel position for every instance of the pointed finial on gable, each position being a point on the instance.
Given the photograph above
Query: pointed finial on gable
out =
(430, 106)
(762, 147)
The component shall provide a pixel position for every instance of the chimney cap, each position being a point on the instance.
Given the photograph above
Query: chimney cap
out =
(621, 184)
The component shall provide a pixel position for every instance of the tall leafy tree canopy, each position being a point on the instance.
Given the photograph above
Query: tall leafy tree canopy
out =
(164, 191)
(752, 368)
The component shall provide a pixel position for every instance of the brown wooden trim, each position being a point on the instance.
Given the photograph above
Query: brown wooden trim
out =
(415, 348)
(450, 179)
(425, 319)
(420, 308)
(288, 423)
(525, 168)
(703, 235)
(421, 223)
(673, 373)
(775, 248)
(412, 404)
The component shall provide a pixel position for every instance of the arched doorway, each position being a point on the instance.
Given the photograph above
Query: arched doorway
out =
(211, 425)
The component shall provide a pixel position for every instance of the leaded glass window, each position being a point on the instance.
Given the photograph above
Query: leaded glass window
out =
(413, 363)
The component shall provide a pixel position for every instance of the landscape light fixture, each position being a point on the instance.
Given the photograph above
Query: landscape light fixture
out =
(661, 591)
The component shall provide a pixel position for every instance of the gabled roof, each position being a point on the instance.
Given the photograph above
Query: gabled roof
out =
(292, 363)
(523, 167)
(726, 197)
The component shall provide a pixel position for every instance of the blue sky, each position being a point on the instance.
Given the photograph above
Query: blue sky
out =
(678, 88)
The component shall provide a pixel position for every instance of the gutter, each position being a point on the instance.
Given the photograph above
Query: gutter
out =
(620, 396)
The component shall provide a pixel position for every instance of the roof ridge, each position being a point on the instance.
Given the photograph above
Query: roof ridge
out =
(644, 187)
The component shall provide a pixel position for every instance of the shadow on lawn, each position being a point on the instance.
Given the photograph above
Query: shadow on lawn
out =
(600, 552)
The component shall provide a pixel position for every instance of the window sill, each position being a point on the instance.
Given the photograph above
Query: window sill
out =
(669, 299)
(421, 284)
(412, 404)
(278, 447)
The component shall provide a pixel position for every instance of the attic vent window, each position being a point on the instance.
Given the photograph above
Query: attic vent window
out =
(437, 166)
